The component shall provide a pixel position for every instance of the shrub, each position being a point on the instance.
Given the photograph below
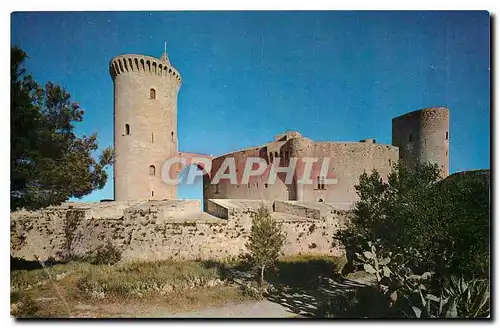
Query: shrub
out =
(104, 254)
(252, 290)
(447, 221)
(415, 232)
(421, 295)
(265, 242)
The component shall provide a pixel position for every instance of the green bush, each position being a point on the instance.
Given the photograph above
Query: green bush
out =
(421, 295)
(447, 221)
(266, 241)
(104, 254)
(415, 232)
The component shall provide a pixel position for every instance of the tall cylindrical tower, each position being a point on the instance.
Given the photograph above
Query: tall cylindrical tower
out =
(423, 136)
(145, 120)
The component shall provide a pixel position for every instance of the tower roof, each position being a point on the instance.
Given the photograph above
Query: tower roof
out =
(164, 56)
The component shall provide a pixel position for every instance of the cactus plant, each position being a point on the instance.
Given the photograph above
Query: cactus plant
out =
(374, 264)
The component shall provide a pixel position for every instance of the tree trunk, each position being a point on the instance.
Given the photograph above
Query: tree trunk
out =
(262, 275)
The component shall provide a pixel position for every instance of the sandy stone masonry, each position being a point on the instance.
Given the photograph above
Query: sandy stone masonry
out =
(423, 136)
(145, 120)
(174, 229)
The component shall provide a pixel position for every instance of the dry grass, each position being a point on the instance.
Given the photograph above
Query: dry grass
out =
(338, 261)
(138, 289)
(122, 290)
(141, 279)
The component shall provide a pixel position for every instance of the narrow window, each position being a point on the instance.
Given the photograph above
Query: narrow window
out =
(390, 163)
(152, 94)
(410, 138)
(152, 170)
(152, 137)
(446, 135)
(323, 183)
(248, 185)
(127, 129)
(319, 185)
(152, 193)
(271, 157)
(265, 185)
(276, 154)
(216, 188)
(172, 135)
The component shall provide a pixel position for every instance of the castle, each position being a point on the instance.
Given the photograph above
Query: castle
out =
(146, 221)
(145, 111)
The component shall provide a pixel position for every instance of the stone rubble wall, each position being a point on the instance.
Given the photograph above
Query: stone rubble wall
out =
(156, 230)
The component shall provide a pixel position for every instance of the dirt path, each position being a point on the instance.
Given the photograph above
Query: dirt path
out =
(254, 309)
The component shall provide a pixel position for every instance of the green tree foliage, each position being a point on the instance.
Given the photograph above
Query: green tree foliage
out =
(445, 221)
(464, 203)
(49, 163)
(266, 241)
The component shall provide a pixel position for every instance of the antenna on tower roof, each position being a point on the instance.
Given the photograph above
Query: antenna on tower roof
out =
(164, 56)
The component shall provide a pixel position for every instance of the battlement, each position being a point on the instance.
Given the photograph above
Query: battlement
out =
(287, 135)
(131, 63)
(423, 112)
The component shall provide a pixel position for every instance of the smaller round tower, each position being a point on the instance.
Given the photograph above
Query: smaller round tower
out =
(423, 137)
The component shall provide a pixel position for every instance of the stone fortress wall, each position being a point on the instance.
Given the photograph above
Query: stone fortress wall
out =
(348, 160)
(173, 229)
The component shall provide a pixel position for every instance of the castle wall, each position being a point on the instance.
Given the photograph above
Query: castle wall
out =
(297, 209)
(423, 136)
(348, 160)
(150, 231)
(145, 124)
(257, 188)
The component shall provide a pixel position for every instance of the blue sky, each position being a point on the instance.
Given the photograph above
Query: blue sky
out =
(248, 76)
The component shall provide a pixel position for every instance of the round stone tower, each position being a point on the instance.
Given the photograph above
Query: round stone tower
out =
(423, 136)
(145, 120)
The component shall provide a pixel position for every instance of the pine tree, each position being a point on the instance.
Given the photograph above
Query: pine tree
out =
(49, 163)
(266, 241)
